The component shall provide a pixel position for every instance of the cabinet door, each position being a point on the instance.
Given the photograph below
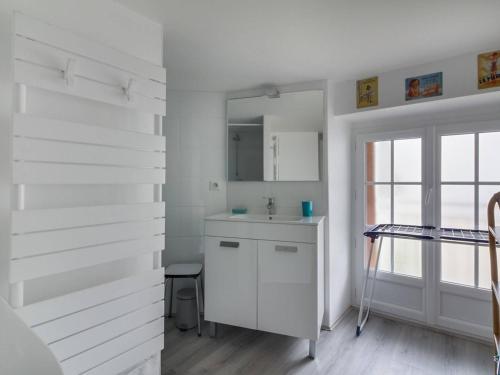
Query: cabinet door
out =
(231, 281)
(288, 293)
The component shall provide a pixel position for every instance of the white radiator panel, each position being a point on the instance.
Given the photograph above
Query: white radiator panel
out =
(75, 344)
(60, 174)
(40, 31)
(29, 149)
(111, 327)
(44, 128)
(54, 308)
(32, 244)
(49, 219)
(52, 79)
(46, 56)
(129, 359)
(44, 265)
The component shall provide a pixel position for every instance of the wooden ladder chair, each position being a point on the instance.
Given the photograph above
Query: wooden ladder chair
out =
(494, 237)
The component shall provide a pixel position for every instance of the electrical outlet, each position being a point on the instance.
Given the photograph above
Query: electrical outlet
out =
(214, 186)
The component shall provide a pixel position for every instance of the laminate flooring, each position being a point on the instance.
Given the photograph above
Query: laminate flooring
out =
(385, 347)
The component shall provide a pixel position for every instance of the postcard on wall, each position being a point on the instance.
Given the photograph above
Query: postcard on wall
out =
(425, 86)
(488, 74)
(367, 92)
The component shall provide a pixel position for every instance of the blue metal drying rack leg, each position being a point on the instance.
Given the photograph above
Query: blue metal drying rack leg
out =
(362, 321)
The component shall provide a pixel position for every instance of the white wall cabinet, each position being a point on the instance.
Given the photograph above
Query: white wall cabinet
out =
(266, 282)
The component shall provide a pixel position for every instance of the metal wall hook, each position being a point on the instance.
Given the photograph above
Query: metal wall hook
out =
(128, 90)
(69, 72)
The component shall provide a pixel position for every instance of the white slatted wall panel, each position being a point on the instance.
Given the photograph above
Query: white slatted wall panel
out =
(111, 327)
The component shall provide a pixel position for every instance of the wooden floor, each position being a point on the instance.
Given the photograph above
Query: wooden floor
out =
(385, 347)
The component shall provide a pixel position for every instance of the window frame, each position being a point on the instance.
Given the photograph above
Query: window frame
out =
(360, 159)
(474, 128)
(393, 184)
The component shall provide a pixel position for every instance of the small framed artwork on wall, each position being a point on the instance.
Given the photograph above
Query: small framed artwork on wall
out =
(488, 74)
(367, 92)
(425, 86)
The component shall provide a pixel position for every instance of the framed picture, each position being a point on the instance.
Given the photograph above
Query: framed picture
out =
(367, 92)
(425, 86)
(488, 74)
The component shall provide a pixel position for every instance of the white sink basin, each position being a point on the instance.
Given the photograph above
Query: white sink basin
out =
(267, 218)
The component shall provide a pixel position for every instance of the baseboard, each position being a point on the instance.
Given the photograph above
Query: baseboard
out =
(337, 322)
(434, 328)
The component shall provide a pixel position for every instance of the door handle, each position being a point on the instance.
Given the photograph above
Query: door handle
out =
(232, 244)
(287, 249)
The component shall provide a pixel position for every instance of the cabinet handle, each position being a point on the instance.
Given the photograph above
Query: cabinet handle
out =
(288, 249)
(229, 244)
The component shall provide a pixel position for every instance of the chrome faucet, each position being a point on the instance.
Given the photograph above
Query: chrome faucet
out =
(271, 205)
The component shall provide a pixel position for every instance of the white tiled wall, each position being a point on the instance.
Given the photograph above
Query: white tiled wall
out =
(195, 132)
(288, 196)
(195, 129)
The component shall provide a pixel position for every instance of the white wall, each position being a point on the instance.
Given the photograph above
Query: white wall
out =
(459, 80)
(339, 208)
(196, 154)
(115, 26)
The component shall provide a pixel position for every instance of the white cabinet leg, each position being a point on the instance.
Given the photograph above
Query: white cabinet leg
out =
(312, 349)
(213, 329)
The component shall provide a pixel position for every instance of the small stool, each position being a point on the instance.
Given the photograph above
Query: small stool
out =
(185, 271)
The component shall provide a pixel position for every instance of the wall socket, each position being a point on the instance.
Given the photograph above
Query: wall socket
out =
(214, 186)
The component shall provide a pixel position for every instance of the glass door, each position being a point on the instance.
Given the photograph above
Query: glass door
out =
(389, 190)
(393, 188)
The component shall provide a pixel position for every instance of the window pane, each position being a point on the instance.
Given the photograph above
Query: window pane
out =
(489, 167)
(378, 161)
(408, 160)
(384, 263)
(457, 206)
(484, 277)
(408, 257)
(457, 157)
(407, 204)
(457, 263)
(485, 193)
(378, 204)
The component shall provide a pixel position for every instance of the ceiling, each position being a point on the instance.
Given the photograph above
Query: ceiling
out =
(226, 45)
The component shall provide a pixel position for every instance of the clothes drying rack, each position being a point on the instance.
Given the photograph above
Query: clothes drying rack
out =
(415, 232)
(494, 237)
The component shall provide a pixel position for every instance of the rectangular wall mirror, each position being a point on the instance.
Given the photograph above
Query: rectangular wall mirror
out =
(275, 138)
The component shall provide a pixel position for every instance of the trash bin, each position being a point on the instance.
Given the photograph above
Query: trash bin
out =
(185, 318)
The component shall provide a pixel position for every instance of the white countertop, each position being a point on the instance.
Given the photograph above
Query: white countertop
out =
(273, 219)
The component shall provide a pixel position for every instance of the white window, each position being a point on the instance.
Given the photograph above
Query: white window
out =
(393, 194)
(469, 176)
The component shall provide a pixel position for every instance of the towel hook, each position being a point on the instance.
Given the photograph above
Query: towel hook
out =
(69, 72)
(128, 90)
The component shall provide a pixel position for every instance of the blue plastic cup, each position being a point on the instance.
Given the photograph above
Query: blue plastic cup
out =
(307, 208)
